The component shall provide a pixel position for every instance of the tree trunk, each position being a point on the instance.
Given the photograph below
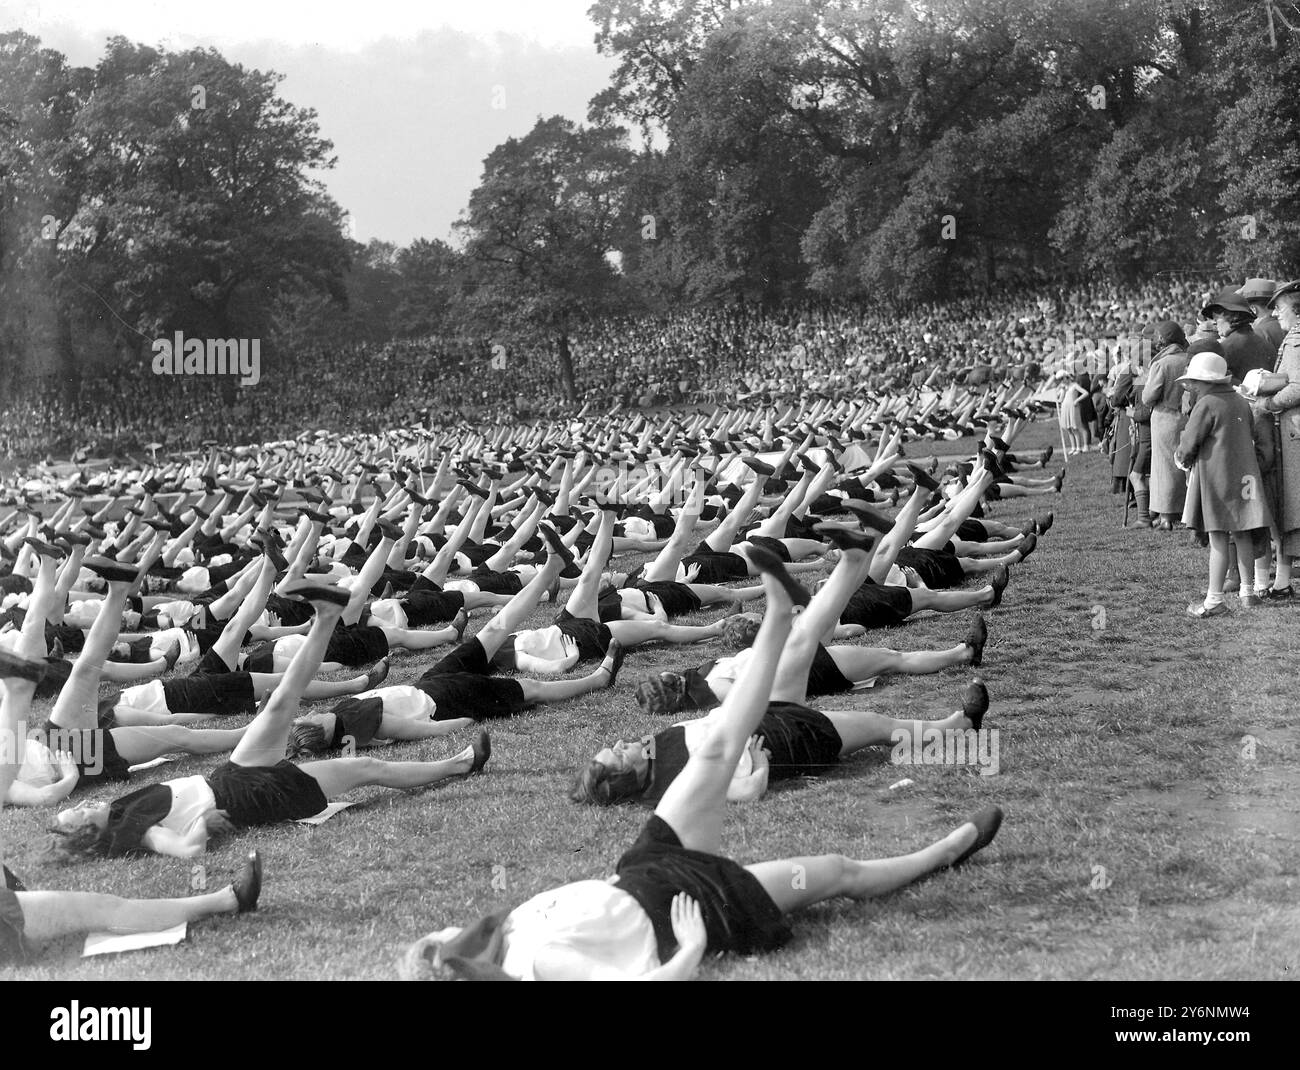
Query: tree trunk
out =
(565, 356)
(66, 353)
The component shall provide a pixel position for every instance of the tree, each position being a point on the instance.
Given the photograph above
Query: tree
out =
(539, 231)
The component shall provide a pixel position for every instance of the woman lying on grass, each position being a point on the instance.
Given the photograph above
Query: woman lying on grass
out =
(82, 748)
(457, 690)
(795, 740)
(258, 786)
(674, 898)
(28, 919)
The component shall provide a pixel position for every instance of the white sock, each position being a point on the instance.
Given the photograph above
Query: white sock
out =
(1212, 600)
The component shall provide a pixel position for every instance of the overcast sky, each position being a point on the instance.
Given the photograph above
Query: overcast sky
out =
(404, 88)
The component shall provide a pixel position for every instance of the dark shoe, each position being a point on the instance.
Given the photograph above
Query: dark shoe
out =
(112, 571)
(555, 543)
(976, 638)
(975, 702)
(1044, 524)
(1027, 546)
(755, 465)
(999, 584)
(869, 515)
(248, 885)
(319, 592)
(388, 529)
(845, 539)
(987, 822)
(921, 477)
(615, 654)
(43, 548)
(990, 463)
(767, 562)
(482, 752)
(377, 674)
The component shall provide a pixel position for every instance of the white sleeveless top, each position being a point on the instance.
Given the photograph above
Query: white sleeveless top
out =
(192, 800)
(403, 702)
(593, 918)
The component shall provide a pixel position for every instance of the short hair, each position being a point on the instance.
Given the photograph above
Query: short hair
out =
(1291, 299)
(598, 785)
(740, 631)
(71, 845)
(306, 739)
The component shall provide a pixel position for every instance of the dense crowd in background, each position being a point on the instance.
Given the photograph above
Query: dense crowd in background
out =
(700, 356)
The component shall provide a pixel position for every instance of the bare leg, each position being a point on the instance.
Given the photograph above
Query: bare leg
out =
(822, 877)
(78, 701)
(339, 775)
(694, 804)
(859, 663)
(511, 617)
(265, 739)
(232, 635)
(583, 600)
(143, 744)
(50, 915)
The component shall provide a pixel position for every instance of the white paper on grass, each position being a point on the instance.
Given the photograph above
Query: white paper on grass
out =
(862, 685)
(116, 943)
(329, 811)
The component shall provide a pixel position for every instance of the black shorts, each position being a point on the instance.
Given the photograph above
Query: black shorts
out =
(265, 795)
(13, 943)
(592, 638)
(356, 644)
(875, 605)
(676, 598)
(972, 531)
(423, 606)
(497, 582)
(716, 567)
(225, 692)
(738, 913)
(938, 569)
(775, 545)
(802, 741)
(461, 685)
(824, 677)
(95, 753)
(291, 611)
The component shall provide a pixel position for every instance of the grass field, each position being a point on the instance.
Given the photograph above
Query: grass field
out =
(1141, 838)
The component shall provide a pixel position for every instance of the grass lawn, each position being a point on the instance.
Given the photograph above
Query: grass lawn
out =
(1141, 839)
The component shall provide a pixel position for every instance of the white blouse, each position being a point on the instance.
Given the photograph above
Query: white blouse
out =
(594, 919)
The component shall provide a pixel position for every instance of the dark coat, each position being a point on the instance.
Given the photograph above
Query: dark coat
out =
(1244, 350)
(1227, 491)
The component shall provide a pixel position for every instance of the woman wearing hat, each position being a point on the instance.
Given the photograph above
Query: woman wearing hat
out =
(1226, 498)
(1285, 405)
(1242, 348)
(1163, 394)
(1258, 294)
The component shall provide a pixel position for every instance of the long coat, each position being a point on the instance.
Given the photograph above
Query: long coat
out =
(1227, 491)
(1164, 394)
(1286, 404)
